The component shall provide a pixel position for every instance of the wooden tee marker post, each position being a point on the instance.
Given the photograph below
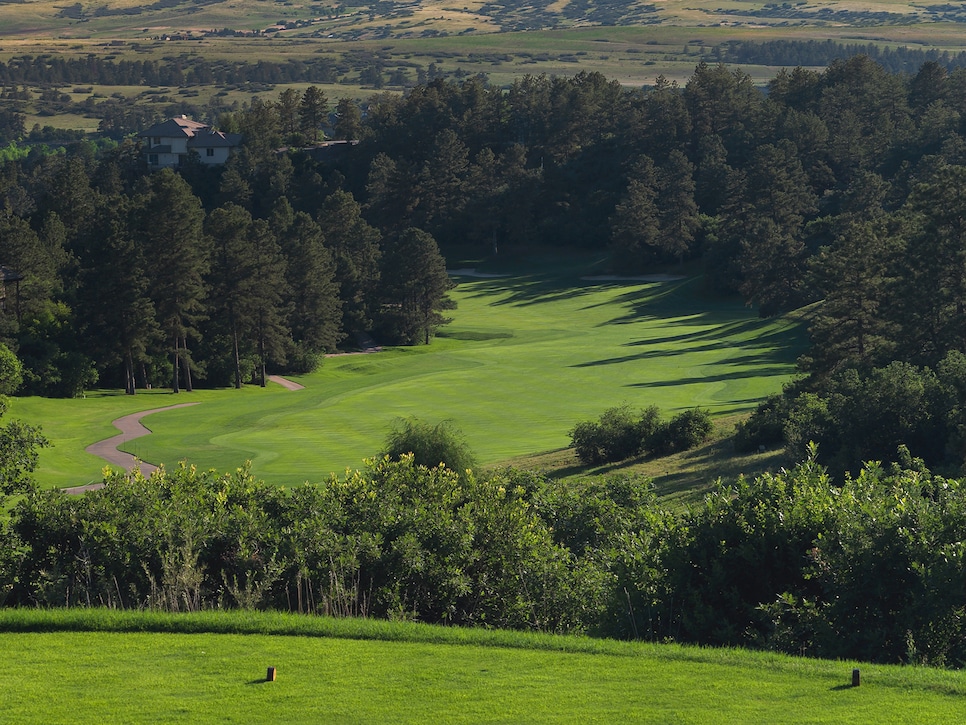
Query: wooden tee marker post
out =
(270, 675)
(855, 678)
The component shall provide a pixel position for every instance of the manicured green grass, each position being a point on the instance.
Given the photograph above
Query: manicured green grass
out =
(525, 358)
(349, 671)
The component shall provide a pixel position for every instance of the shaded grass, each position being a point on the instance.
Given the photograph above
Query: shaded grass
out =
(526, 357)
(679, 479)
(69, 666)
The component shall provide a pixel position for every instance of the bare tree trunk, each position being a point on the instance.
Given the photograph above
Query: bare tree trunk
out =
(176, 364)
(130, 385)
(261, 355)
(186, 364)
(234, 339)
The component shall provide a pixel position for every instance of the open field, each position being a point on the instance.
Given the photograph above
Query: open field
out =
(632, 42)
(330, 20)
(526, 357)
(56, 670)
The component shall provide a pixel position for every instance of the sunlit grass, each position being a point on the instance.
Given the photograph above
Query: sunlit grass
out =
(525, 358)
(212, 667)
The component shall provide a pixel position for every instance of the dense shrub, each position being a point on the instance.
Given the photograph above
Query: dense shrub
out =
(683, 432)
(619, 434)
(430, 445)
(394, 540)
(11, 371)
(764, 428)
(871, 567)
(857, 416)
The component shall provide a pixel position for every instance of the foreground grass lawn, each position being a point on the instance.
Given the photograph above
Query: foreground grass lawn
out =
(526, 357)
(349, 673)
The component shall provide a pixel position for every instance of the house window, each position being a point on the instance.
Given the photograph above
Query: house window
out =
(153, 159)
(157, 141)
(209, 152)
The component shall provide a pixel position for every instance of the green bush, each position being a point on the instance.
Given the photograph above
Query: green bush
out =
(302, 360)
(616, 436)
(682, 432)
(430, 444)
(619, 435)
(11, 371)
(765, 427)
(395, 540)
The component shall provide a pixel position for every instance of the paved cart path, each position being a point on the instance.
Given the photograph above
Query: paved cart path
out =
(285, 382)
(131, 428)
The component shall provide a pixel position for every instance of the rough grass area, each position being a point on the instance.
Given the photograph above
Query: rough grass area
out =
(95, 665)
(526, 357)
(679, 479)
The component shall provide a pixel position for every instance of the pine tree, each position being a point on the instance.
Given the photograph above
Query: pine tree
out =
(773, 252)
(855, 276)
(232, 270)
(932, 296)
(289, 119)
(635, 224)
(414, 287)
(115, 313)
(265, 312)
(348, 120)
(313, 110)
(170, 223)
(355, 246)
(677, 209)
(315, 308)
(440, 184)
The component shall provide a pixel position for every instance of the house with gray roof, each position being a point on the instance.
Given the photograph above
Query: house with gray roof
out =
(171, 142)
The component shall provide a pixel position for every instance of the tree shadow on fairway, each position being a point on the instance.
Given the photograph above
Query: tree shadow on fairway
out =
(714, 330)
(760, 372)
(656, 301)
(534, 289)
(769, 347)
(688, 476)
(528, 290)
(766, 356)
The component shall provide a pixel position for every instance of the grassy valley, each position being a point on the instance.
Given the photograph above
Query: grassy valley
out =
(790, 561)
(526, 357)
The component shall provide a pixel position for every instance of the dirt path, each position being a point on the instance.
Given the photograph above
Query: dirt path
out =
(285, 382)
(131, 428)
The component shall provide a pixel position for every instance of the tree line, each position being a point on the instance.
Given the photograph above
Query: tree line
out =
(49, 69)
(131, 278)
(820, 53)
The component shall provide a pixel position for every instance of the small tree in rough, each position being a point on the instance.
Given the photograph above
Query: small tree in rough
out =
(430, 444)
(18, 454)
(616, 436)
(682, 432)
